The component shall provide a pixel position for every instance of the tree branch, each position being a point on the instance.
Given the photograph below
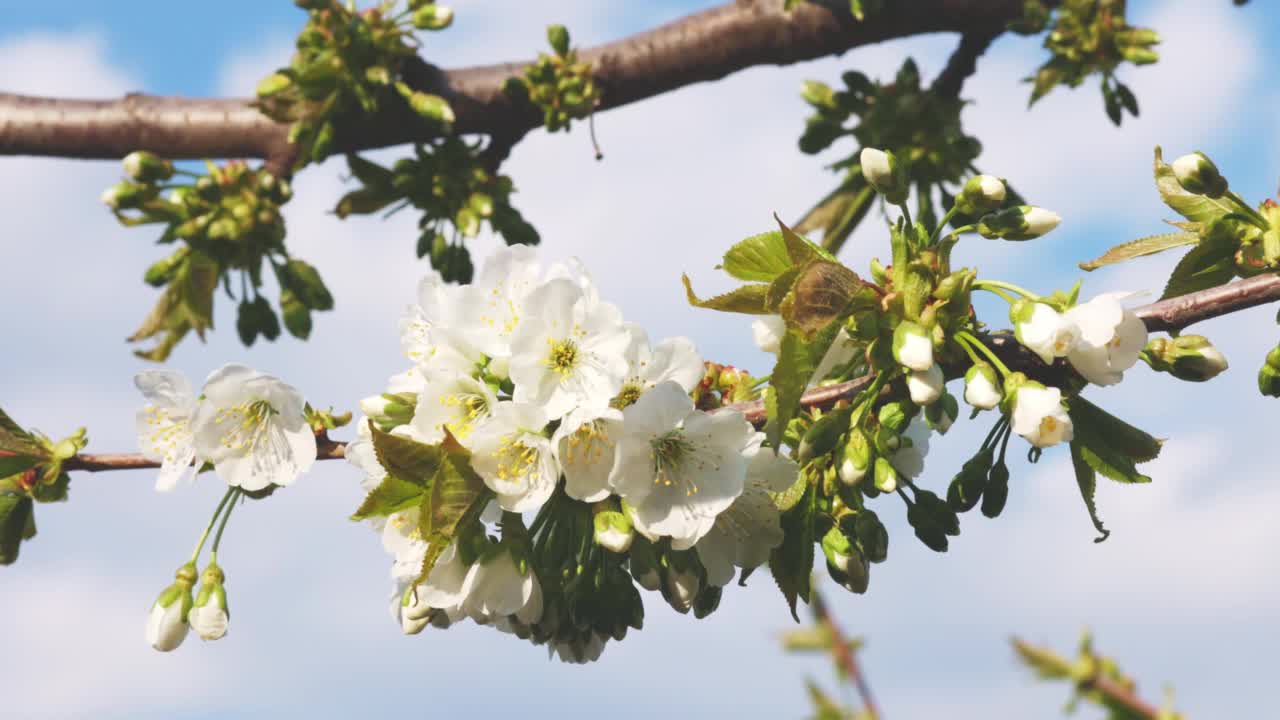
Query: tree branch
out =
(964, 61)
(1173, 314)
(702, 47)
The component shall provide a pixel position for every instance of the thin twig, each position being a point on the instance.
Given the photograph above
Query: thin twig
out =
(845, 655)
(1172, 314)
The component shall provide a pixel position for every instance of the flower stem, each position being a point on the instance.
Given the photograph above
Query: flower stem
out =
(967, 337)
(989, 284)
(867, 398)
(217, 539)
(205, 536)
(943, 223)
(906, 215)
(1260, 221)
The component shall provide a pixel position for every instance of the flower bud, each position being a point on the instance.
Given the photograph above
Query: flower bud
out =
(912, 347)
(996, 492)
(818, 94)
(1139, 55)
(432, 107)
(415, 613)
(126, 195)
(167, 625)
(886, 174)
(925, 387)
(680, 588)
(209, 616)
(644, 564)
(1269, 375)
(433, 17)
(558, 38)
(274, 84)
(145, 167)
(1197, 174)
(941, 414)
(613, 531)
(389, 409)
(895, 415)
(1187, 357)
(856, 458)
(982, 386)
(1023, 222)
(981, 194)
(886, 478)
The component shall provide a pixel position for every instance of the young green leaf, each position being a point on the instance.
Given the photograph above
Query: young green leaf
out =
(16, 440)
(822, 293)
(791, 563)
(1208, 265)
(1149, 245)
(759, 258)
(1087, 480)
(390, 496)
(17, 523)
(797, 359)
(748, 299)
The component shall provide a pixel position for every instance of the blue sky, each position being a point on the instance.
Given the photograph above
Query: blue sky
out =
(1184, 592)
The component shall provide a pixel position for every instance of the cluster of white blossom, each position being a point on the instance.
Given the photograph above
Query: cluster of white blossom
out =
(252, 428)
(547, 386)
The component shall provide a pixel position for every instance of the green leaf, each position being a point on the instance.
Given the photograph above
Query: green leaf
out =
(1149, 245)
(369, 173)
(748, 299)
(1108, 444)
(297, 316)
(390, 496)
(797, 359)
(16, 440)
(1087, 480)
(1137, 444)
(1209, 264)
(823, 292)
(14, 464)
(792, 562)
(456, 498)
(1196, 208)
(407, 459)
(196, 284)
(304, 280)
(365, 201)
(17, 523)
(800, 249)
(759, 258)
(839, 213)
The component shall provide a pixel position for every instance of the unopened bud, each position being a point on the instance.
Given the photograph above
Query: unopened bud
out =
(1023, 222)
(886, 174)
(886, 478)
(856, 458)
(274, 84)
(912, 346)
(613, 531)
(1197, 174)
(433, 17)
(926, 387)
(982, 386)
(1187, 357)
(209, 615)
(126, 195)
(942, 414)
(981, 194)
(818, 94)
(145, 167)
(167, 625)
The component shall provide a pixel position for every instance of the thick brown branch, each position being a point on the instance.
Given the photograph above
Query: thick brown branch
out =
(95, 462)
(1177, 313)
(964, 61)
(701, 47)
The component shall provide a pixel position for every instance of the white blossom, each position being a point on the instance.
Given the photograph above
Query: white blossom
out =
(744, 534)
(908, 460)
(569, 350)
(458, 402)
(495, 588)
(767, 332)
(1111, 338)
(514, 457)
(164, 425)
(252, 428)
(1045, 331)
(678, 468)
(584, 445)
(674, 359)
(1039, 417)
(912, 347)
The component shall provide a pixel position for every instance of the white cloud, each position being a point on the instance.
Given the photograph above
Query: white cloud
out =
(37, 64)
